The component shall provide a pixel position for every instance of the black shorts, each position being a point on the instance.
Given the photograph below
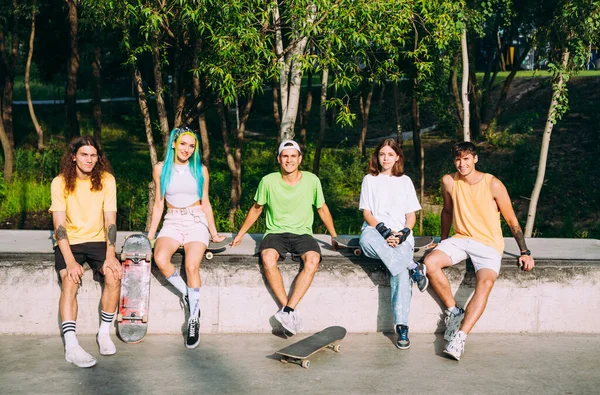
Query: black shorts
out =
(94, 253)
(297, 245)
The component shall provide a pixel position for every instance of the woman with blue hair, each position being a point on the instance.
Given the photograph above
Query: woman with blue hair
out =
(182, 183)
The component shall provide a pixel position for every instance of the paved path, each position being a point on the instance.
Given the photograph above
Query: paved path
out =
(368, 363)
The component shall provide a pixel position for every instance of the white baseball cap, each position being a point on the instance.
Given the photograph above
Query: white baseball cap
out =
(285, 144)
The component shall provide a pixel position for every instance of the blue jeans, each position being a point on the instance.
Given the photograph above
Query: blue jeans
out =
(397, 260)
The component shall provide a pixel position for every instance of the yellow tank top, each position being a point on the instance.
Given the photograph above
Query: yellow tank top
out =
(476, 215)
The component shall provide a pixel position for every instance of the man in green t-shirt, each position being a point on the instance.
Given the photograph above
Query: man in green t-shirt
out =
(289, 196)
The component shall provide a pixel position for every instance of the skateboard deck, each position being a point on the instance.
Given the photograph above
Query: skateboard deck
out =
(349, 242)
(301, 351)
(213, 248)
(352, 243)
(132, 318)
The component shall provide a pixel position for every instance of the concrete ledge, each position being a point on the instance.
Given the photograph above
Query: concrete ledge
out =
(560, 295)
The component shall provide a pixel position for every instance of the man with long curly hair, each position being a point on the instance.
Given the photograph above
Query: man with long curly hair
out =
(84, 212)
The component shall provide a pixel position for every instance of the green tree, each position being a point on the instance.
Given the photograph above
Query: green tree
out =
(573, 28)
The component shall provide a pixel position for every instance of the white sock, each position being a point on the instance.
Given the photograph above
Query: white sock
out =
(105, 321)
(68, 328)
(176, 280)
(454, 310)
(194, 296)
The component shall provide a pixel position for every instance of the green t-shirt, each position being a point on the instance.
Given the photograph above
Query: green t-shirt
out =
(289, 208)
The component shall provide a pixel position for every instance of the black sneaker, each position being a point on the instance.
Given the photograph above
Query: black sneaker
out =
(403, 343)
(193, 334)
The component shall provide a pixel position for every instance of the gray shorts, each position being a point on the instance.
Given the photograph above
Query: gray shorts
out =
(461, 248)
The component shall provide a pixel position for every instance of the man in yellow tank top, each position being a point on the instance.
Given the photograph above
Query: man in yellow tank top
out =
(474, 201)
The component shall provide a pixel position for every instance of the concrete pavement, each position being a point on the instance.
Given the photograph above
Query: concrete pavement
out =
(368, 363)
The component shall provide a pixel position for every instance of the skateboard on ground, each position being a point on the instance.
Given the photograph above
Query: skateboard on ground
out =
(301, 351)
(132, 318)
(352, 243)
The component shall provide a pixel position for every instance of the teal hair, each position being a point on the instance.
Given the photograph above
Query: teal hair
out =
(195, 161)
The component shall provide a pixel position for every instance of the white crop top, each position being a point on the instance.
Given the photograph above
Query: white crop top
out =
(182, 191)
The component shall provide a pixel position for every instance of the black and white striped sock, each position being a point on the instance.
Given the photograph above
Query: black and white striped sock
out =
(105, 321)
(68, 329)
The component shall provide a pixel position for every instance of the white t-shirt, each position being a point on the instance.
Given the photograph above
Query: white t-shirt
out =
(389, 199)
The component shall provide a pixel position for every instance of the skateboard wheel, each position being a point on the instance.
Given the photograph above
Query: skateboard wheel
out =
(283, 360)
(337, 348)
(209, 255)
(357, 252)
(305, 364)
(145, 318)
(119, 317)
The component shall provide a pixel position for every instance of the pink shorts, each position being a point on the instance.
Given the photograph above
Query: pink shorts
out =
(186, 225)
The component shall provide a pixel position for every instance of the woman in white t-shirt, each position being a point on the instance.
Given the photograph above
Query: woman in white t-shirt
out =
(389, 201)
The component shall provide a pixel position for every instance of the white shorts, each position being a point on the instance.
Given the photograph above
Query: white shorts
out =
(482, 256)
(186, 225)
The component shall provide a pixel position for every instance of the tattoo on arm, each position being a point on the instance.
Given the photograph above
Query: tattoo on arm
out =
(60, 233)
(518, 235)
(112, 235)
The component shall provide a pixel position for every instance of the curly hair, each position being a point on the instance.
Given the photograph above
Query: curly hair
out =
(68, 167)
(398, 169)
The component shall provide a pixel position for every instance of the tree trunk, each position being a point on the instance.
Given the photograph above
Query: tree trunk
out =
(501, 54)
(399, 138)
(38, 129)
(97, 89)
(234, 159)
(276, 114)
(179, 91)
(8, 154)
(7, 75)
(198, 91)
(454, 89)
(422, 187)
(365, 106)
(416, 118)
(465, 86)
(143, 104)
(306, 112)
(322, 120)
(73, 67)
(506, 86)
(290, 73)
(558, 88)
(474, 90)
(382, 95)
(161, 108)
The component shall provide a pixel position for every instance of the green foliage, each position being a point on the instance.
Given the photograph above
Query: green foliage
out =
(25, 195)
(432, 225)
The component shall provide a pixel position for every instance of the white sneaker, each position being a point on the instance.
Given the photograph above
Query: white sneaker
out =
(79, 357)
(105, 344)
(456, 346)
(291, 321)
(453, 322)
